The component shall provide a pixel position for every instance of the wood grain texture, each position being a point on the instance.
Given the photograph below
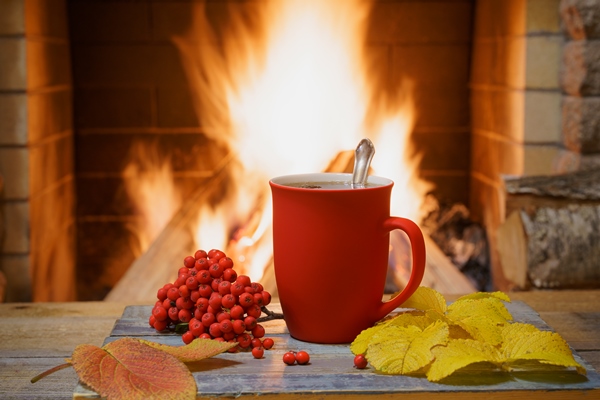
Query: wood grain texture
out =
(331, 372)
(38, 336)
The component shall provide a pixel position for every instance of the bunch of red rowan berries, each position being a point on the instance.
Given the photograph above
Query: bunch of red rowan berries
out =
(213, 302)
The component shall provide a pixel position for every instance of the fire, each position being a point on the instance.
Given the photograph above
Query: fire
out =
(287, 90)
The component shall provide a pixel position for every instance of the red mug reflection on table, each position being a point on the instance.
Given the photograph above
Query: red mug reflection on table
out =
(330, 249)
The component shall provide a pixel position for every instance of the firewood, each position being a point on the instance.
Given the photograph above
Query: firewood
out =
(551, 237)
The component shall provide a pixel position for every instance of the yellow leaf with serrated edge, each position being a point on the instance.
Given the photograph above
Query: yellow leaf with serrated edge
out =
(360, 343)
(526, 342)
(405, 350)
(484, 295)
(481, 318)
(425, 299)
(459, 353)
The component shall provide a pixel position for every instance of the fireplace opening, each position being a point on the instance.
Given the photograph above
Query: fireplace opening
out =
(142, 126)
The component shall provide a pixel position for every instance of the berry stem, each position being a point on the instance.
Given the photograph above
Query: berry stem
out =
(270, 315)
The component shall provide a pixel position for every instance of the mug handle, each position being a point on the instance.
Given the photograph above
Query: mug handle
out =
(418, 262)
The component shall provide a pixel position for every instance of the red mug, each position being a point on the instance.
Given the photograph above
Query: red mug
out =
(330, 254)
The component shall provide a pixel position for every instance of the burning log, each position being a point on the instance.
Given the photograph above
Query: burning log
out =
(155, 267)
(550, 238)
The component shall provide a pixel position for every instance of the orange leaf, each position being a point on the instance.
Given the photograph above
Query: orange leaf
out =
(197, 350)
(129, 369)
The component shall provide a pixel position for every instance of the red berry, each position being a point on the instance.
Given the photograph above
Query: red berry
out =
(173, 313)
(302, 357)
(151, 320)
(202, 304)
(224, 287)
(201, 264)
(246, 300)
(161, 294)
(191, 283)
(189, 262)
(289, 358)
(268, 343)
(258, 352)
(215, 330)
(229, 275)
(214, 253)
(257, 287)
(360, 361)
(194, 296)
(238, 326)
(188, 337)
(204, 276)
(184, 303)
(236, 312)
(215, 301)
(228, 301)
(215, 284)
(160, 325)
(216, 270)
(254, 311)
(205, 335)
(250, 322)
(197, 328)
(244, 280)
(185, 315)
(256, 343)
(200, 254)
(226, 263)
(159, 313)
(184, 291)
(223, 316)
(226, 326)
(205, 290)
(173, 293)
(244, 340)
(208, 319)
(258, 331)
(266, 298)
(237, 288)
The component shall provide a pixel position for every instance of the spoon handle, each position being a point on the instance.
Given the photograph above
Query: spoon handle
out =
(362, 161)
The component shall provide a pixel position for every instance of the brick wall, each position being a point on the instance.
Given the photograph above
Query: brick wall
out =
(130, 87)
(36, 152)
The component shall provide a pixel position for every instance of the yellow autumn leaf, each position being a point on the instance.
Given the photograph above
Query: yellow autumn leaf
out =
(526, 342)
(455, 330)
(417, 318)
(405, 350)
(459, 353)
(481, 318)
(425, 299)
(485, 295)
(361, 342)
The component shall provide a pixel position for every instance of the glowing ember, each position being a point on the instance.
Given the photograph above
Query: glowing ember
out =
(288, 89)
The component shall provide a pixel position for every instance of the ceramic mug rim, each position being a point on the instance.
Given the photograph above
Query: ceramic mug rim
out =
(286, 180)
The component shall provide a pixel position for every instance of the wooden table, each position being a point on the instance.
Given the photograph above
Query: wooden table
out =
(37, 336)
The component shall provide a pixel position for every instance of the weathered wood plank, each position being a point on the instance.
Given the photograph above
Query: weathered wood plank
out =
(16, 374)
(331, 372)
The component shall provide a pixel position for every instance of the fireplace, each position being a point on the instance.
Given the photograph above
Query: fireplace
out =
(95, 98)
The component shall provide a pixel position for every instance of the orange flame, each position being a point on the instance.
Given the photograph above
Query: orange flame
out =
(287, 88)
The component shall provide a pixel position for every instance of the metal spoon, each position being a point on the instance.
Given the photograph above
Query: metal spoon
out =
(362, 160)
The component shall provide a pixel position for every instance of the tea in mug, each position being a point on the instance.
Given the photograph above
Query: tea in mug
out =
(328, 185)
